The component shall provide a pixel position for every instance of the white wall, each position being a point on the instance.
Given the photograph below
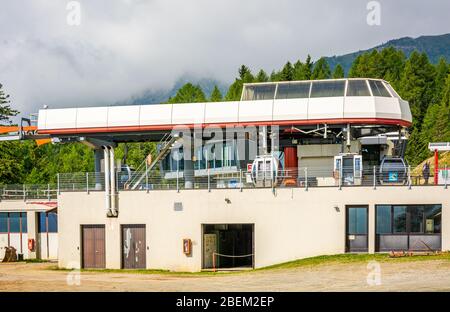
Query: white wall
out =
(290, 224)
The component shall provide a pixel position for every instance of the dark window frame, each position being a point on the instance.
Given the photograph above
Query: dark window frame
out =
(407, 219)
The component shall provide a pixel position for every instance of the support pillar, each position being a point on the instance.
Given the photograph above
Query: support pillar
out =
(436, 167)
(32, 233)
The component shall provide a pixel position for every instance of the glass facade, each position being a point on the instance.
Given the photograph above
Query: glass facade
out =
(316, 89)
(213, 156)
(406, 219)
(50, 219)
(13, 222)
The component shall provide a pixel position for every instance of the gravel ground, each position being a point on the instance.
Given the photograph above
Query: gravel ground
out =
(431, 275)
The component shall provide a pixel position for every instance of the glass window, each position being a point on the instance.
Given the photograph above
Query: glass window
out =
(262, 92)
(357, 88)
(393, 92)
(328, 88)
(24, 222)
(3, 222)
(42, 225)
(52, 222)
(378, 88)
(432, 218)
(416, 219)
(299, 90)
(14, 222)
(357, 220)
(383, 219)
(399, 219)
(282, 91)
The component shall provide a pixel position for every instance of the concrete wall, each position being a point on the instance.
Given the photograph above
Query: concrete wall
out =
(290, 224)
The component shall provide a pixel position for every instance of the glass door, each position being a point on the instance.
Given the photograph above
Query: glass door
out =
(356, 229)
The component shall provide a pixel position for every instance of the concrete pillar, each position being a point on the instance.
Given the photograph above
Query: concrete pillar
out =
(32, 227)
(371, 229)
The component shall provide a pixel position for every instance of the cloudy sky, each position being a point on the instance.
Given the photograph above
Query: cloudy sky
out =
(123, 47)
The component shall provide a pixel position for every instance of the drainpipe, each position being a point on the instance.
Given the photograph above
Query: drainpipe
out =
(107, 180)
(112, 173)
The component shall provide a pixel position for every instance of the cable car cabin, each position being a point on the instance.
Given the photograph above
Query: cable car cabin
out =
(266, 171)
(393, 171)
(348, 169)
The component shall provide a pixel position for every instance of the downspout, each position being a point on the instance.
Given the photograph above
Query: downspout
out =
(113, 181)
(107, 180)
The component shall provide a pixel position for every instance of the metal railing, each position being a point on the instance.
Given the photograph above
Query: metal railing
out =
(302, 177)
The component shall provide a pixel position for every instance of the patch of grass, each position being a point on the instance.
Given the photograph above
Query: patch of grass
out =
(354, 258)
(313, 261)
(35, 261)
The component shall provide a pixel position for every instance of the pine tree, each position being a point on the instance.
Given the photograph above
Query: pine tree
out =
(235, 90)
(307, 68)
(287, 73)
(216, 96)
(5, 109)
(261, 76)
(188, 93)
(321, 70)
(417, 87)
(338, 72)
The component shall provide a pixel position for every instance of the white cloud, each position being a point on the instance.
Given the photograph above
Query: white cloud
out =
(124, 47)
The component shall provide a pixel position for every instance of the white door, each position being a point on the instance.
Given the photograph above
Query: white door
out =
(209, 247)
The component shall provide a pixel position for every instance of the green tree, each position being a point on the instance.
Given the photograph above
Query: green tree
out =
(5, 109)
(261, 76)
(321, 70)
(216, 96)
(188, 93)
(417, 87)
(235, 90)
(338, 72)
(287, 73)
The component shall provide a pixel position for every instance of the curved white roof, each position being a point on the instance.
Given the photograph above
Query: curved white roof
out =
(332, 101)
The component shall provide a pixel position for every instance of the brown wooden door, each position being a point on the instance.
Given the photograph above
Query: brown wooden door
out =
(93, 237)
(133, 246)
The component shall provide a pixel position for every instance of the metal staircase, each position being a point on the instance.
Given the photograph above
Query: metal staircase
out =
(166, 143)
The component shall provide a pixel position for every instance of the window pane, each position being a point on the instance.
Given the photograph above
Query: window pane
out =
(357, 221)
(399, 219)
(357, 88)
(264, 92)
(383, 219)
(14, 222)
(327, 88)
(42, 226)
(3, 222)
(378, 88)
(416, 219)
(52, 222)
(24, 222)
(433, 218)
(299, 90)
(283, 90)
(393, 92)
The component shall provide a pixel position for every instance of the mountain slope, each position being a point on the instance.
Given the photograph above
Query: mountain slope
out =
(433, 46)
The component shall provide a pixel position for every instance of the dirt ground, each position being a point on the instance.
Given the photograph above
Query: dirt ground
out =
(403, 276)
